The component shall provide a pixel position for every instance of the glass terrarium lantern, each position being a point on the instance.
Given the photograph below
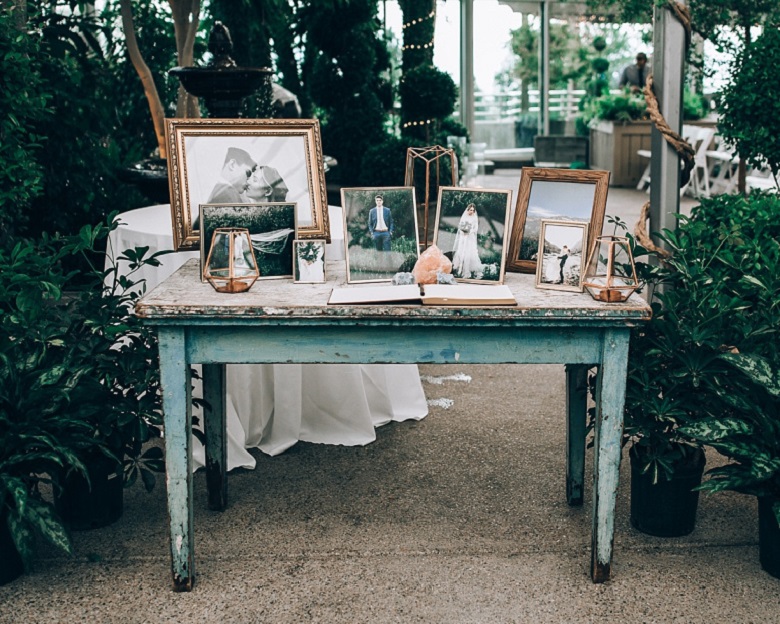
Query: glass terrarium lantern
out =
(231, 266)
(610, 274)
(427, 169)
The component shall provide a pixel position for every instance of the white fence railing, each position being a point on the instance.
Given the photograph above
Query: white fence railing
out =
(508, 104)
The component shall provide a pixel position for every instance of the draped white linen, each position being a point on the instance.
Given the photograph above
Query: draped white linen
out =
(273, 406)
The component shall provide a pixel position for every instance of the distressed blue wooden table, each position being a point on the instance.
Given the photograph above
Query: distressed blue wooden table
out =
(280, 322)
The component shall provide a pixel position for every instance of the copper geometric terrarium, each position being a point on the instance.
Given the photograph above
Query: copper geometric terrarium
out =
(231, 266)
(610, 274)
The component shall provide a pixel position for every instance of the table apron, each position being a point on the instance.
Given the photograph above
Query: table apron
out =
(389, 345)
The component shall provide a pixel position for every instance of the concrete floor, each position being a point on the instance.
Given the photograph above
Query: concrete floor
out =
(460, 517)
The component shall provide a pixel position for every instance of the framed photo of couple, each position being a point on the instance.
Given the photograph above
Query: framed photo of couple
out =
(554, 194)
(245, 161)
(471, 229)
(271, 231)
(380, 232)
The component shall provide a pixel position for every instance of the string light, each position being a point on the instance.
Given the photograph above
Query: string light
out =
(419, 20)
(410, 124)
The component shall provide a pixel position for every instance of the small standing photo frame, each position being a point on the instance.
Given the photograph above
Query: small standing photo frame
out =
(309, 261)
(271, 231)
(471, 228)
(561, 256)
(380, 232)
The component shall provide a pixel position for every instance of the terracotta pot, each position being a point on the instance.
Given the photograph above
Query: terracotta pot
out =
(667, 508)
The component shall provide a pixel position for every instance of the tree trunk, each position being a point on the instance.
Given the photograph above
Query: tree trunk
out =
(145, 74)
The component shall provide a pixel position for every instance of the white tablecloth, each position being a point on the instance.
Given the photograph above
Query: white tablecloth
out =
(279, 404)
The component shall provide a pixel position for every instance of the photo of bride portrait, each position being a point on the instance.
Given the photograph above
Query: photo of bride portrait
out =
(470, 230)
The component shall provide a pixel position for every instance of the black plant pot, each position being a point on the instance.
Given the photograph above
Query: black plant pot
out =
(667, 508)
(11, 566)
(768, 537)
(81, 507)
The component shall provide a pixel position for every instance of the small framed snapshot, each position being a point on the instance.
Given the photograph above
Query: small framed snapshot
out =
(271, 229)
(563, 194)
(251, 161)
(309, 261)
(470, 229)
(560, 258)
(380, 232)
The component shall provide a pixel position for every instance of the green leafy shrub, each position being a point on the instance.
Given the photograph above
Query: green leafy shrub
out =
(721, 294)
(22, 105)
(751, 107)
(76, 366)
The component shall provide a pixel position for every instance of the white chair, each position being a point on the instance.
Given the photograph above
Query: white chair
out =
(700, 138)
(723, 168)
(761, 180)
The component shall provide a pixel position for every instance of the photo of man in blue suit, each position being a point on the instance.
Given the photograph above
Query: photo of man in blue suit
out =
(380, 225)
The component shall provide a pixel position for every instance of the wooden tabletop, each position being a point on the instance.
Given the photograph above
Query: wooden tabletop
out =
(183, 296)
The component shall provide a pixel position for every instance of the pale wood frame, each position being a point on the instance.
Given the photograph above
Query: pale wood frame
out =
(537, 174)
(178, 130)
(580, 225)
(443, 190)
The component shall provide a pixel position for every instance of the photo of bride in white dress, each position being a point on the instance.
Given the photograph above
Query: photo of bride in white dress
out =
(473, 237)
(465, 256)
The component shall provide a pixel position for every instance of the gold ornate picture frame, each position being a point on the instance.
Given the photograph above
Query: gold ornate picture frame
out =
(217, 161)
(575, 195)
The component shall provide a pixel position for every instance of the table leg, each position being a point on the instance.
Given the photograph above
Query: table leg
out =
(576, 424)
(610, 398)
(177, 408)
(215, 422)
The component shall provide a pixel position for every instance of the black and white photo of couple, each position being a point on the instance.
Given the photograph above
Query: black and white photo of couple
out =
(243, 181)
(247, 169)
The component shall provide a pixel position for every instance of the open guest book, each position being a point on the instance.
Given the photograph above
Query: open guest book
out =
(429, 294)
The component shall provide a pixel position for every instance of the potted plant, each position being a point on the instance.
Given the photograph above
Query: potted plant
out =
(618, 126)
(104, 359)
(122, 400)
(40, 382)
(720, 295)
(661, 397)
(749, 434)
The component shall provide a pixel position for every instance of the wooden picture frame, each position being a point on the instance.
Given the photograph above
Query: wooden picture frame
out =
(375, 253)
(555, 194)
(271, 229)
(474, 241)
(562, 255)
(221, 161)
(309, 261)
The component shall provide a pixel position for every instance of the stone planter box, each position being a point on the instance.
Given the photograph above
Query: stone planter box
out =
(614, 145)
